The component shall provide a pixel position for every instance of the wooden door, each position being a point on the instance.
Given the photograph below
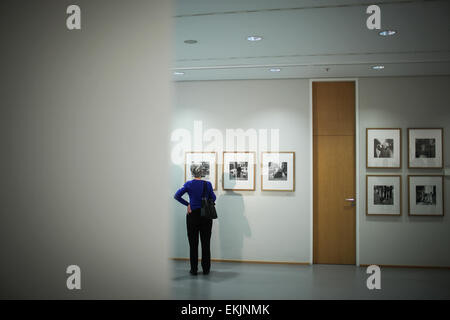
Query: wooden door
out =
(334, 172)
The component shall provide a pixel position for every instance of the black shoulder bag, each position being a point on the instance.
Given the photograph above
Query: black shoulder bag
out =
(208, 209)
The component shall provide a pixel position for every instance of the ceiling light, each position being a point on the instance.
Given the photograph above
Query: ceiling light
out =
(254, 38)
(190, 41)
(178, 73)
(379, 67)
(274, 69)
(386, 33)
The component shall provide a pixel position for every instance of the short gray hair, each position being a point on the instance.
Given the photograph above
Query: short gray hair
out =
(196, 170)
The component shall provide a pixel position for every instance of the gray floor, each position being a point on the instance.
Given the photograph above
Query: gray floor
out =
(229, 281)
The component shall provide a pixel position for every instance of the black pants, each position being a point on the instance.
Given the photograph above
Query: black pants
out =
(198, 225)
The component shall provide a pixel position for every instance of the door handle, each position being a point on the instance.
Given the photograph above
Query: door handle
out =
(352, 201)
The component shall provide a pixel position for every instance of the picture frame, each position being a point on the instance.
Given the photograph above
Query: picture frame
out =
(426, 195)
(383, 195)
(208, 160)
(239, 170)
(383, 148)
(425, 148)
(278, 171)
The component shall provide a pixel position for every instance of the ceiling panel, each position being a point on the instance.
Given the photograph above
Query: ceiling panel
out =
(334, 71)
(208, 7)
(309, 35)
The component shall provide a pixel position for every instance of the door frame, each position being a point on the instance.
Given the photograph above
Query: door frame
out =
(357, 195)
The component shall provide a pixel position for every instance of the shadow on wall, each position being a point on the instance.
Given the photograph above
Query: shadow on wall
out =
(233, 225)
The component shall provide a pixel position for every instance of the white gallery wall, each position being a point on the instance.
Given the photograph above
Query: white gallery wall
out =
(412, 102)
(276, 226)
(252, 225)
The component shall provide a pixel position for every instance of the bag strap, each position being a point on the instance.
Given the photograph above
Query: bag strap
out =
(204, 189)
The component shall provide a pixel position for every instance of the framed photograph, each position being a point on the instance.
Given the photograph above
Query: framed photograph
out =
(384, 148)
(383, 195)
(425, 195)
(239, 171)
(278, 171)
(208, 161)
(425, 148)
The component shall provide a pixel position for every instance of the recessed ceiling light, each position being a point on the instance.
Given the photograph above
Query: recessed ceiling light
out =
(178, 73)
(254, 38)
(386, 33)
(190, 41)
(274, 69)
(379, 67)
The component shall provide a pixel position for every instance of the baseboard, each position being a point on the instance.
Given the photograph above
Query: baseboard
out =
(405, 266)
(250, 261)
(308, 264)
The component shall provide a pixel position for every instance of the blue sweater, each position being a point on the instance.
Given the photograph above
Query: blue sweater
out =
(194, 188)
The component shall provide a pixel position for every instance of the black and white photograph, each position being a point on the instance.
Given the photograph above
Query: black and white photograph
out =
(425, 195)
(278, 171)
(239, 170)
(383, 195)
(208, 162)
(383, 148)
(425, 148)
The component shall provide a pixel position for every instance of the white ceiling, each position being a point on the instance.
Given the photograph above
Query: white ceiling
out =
(306, 37)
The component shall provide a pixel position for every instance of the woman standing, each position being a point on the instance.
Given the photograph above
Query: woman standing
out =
(196, 224)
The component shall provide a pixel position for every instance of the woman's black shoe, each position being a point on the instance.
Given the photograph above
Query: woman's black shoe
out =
(194, 273)
(206, 272)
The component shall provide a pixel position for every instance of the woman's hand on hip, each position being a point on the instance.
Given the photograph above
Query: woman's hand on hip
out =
(189, 208)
